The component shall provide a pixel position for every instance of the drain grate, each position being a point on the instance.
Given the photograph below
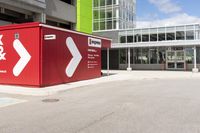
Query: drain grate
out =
(52, 100)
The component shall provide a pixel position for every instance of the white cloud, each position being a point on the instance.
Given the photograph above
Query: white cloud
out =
(166, 6)
(182, 18)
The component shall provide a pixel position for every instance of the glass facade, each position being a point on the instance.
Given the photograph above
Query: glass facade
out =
(113, 14)
(171, 33)
(170, 58)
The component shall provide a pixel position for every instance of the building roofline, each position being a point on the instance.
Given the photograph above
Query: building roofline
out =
(140, 28)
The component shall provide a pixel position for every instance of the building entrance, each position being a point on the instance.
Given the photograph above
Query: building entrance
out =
(175, 60)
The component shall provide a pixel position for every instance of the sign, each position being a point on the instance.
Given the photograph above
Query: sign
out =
(24, 57)
(93, 42)
(76, 57)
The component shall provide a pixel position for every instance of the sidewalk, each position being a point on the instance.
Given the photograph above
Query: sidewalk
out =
(114, 76)
(62, 87)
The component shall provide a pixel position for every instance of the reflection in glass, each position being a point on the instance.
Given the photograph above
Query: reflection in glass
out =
(145, 38)
(102, 25)
(145, 56)
(153, 37)
(122, 56)
(109, 24)
(180, 35)
(137, 38)
(170, 36)
(189, 55)
(198, 55)
(153, 55)
(129, 39)
(137, 55)
(123, 39)
(161, 37)
(190, 35)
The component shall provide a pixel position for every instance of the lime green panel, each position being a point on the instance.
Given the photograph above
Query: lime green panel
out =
(84, 16)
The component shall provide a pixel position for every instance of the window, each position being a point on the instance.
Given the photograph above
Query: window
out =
(145, 38)
(108, 2)
(96, 14)
(170, 36)
(123, 39)
(190, 35)
(145, 56)
(109, 14)
(96, 26)
(137, 38)
(102, 14)
(153, 37)
(102, 25)
(198, 55)
(96, 3)
(122, 56)
(189, 53)
(161, 55)
(153, 55)
(102, 2)
(129, 39)
(109, 24)
(161, 37)
(137, 55)
(114, 24)
(180, 35)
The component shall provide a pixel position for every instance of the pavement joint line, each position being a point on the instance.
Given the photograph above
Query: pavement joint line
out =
(95, 122)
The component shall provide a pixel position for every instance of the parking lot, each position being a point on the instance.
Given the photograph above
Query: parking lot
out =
(125, 102)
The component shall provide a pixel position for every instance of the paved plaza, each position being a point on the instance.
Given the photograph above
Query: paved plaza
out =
(124, 102)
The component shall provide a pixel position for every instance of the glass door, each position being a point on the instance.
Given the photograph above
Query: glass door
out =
(170, 60)
(180, 59)
(175, 60)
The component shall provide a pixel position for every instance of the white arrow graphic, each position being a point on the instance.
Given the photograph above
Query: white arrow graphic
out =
(24, 57)
(76, 59)
(1, 40)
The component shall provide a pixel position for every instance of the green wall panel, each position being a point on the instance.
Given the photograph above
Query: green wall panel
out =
(84, 16)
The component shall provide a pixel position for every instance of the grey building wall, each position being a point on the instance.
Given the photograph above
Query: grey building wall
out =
(39, 10)
(37, 6)
(60, 10)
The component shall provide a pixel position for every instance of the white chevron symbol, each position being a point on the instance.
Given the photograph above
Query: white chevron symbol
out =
(76, 59)
(24, 57)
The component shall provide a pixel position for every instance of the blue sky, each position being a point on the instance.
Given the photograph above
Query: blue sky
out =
(167, 12)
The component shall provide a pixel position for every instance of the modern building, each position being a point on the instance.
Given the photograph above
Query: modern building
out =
(153, 48)
(159, 48)
(111, 16)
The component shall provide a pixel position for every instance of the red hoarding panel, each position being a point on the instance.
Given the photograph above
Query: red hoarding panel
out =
(40, 55)
(19, 55)
(68, 57)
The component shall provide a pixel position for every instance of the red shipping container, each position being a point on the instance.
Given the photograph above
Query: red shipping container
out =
(40, 55)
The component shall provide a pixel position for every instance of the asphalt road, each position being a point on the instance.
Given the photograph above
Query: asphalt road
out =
(131, 106)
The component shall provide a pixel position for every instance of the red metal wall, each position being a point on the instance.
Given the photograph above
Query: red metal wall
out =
(29, 57)
(56, 57)
(29, 38)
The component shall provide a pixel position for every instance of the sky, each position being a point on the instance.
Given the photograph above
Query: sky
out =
(152, 13)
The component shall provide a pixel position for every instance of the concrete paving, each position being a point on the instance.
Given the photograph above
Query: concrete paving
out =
(114, 76)
(151, 103)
